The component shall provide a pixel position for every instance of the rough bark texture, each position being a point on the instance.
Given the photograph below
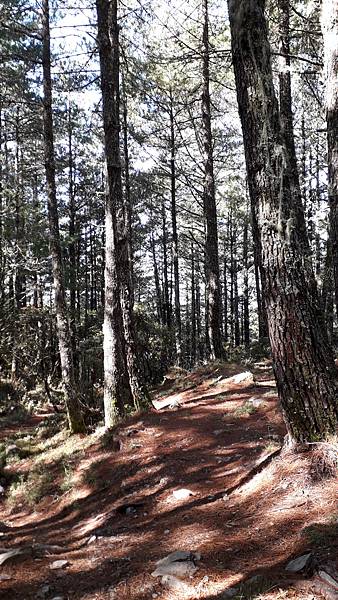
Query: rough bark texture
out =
(193, 310)
(210, 215)
(286, 119)
(166, 296)
(75, 418)
(307, 392)
(178, 326)
(330, 33)
(327, 290)
(246, 314)
(157, 280)
(225, 296)
(117, 391)
(127, 197)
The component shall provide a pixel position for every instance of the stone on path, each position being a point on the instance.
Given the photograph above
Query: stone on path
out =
(179, 563)
(176, 584)
(246, 377)
(59, 564)
(9, 554)
(12, 450)
(300, 563)
(44, 592)
(91, 540)
(182, 494)
(229, 593)
(256, 402)
(328, 578)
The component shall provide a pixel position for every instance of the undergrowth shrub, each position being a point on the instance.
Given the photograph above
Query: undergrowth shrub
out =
(28, 490)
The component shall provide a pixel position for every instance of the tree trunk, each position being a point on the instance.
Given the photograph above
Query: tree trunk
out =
(166, 301)
(139, 393)
(72, 241)
(117, 392)
(210, 214)
(236, 302)
(200, 347)
(246, 316)
(327, 290)
(75, 418)
(156, 280)
(178, 327)
(330, 33)
(193, 310)
(286, 118)
(127, 196)
(225, 296)
(306, 388)
(20, 278)
(232, 286)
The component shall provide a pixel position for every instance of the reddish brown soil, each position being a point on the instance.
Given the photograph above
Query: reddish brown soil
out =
(246, 516)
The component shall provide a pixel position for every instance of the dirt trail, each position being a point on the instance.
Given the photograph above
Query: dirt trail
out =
(243, 520)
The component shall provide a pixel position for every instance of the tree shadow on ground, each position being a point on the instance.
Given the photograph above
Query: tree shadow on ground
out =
(233, 531)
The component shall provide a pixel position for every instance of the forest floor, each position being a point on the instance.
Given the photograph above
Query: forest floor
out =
(111, 504)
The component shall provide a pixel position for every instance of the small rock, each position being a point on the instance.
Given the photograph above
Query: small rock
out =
(256, 402)
(92, 539)
(175, 583)
(229, 593)
(166, 531)
(2, 490)
(58, 598)
(300, 563)
(180, 563)
(9, 554)
(12, 450)
(59, 564)
(129, 509)
(5, 577)
(247, 376)
(182, 494)
(44, 592)
(328, 578)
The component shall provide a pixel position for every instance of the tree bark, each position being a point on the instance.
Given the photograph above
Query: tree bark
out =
(330, 34)
(127, 195)
(328, 290)
(72, 241)
(210, 214)
(246, 314)
(156, 280)
(178, 326)
(304, 378)
(236, 302)
(166, 300)
(75, 418)
(225, 296)
(286, 118)
(193, 310)
(117, 392)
